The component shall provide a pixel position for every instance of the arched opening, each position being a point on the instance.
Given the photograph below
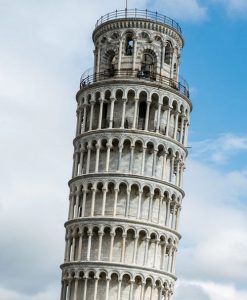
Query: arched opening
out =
(142, 115)
(129, 44)
(147, 65)
(130, 108)
(168, 53)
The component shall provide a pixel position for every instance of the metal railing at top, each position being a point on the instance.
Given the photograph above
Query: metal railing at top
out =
(138, 13)
(181, 86)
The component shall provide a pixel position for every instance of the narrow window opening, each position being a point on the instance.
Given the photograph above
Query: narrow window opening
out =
(129, 45)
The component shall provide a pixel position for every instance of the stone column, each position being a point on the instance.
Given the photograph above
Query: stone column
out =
(81, 161)
(101, 234)
(107, 288)
(131, 289)
(168, 121)
(98, 146)
(108, 145)
(77, 204)
(119, 157)
(147, 115)
(83, 127)
(156, 252)
(134, 55)
(123, 112)
(78, 128)
(154, 162)
(181, 176)
(85, 288)
(131, 162)
(105, 190)
(115, 202)
(171, 168)
(68, 249)
(96, 280)
(63, 290)
(76, 160)
(164, 166)
(168, 212)
(186, 134)
(89, 148)
(90, 234)
(177, 218)
(71, 206)
(160, 207)
(182, 129)
(139, 206)
(111, 112)
(84, 202)
(69, 289)
(146, 250)
(120, 54)
(135, 250)
(135, 113)
(174, 260)
(143, 160)
(150, 210)
(158, 120)
(178, 172)
(93, 201)
(127, 203)
(72, 256)
(92, 103)
(119, 289)
(164, 257)
(76, 289)
(98, 60)
(111, 245)
(80, 246)
(176, 127)
(142, 291)
(123, 248)
(173, 216)
(100, 113)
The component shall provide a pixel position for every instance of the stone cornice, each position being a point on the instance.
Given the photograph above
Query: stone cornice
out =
(120, 266)
(98, 132)
(123, 176)
(138, 82)
(99, 220)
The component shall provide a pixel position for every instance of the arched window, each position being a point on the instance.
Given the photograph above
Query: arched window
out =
(168, 53)
(142, 115)
(147, 66)
(129, 44)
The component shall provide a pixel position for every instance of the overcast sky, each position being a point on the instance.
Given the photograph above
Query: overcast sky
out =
(45, 47)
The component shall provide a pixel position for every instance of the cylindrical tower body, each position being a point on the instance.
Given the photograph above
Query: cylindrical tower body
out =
(130, 149)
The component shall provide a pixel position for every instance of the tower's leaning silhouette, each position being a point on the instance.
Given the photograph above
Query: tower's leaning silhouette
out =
(130, 149)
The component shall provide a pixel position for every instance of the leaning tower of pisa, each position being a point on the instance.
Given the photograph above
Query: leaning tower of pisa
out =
(129, 157)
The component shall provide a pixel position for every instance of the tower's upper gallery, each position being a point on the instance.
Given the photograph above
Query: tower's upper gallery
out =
(142, 16)
(138, 43)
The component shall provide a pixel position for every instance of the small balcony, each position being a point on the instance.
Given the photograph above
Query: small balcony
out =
(140, 14)
(180, 86)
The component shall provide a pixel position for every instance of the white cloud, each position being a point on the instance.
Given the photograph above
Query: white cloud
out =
(189, 10)
(214, 221)
(234, 7)
(49, 294)
(220, 150)
(194, 290)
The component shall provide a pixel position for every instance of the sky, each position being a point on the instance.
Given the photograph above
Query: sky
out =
(45, 47)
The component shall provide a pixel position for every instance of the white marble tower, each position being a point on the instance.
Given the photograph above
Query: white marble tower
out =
(130, 150)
